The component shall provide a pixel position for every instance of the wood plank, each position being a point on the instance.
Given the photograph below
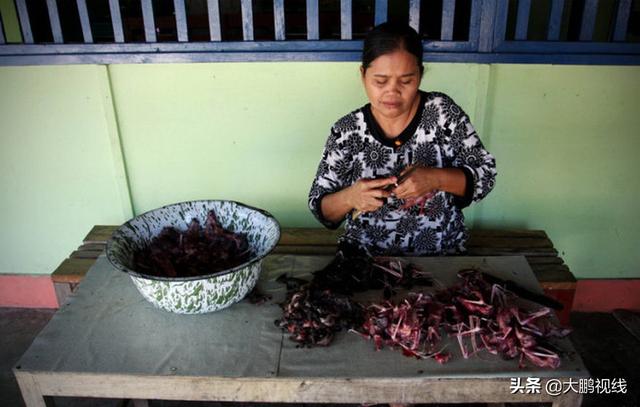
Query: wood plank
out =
(474, 25)
(309, 236)
(630, 320)
(381, 11)
(499, 242)
(287, 389)
(149, 22)
(29, 388)
(278, 20)
(25, 24)
(87, 36)
(213, 8)
(346, 19)
(506, 251)
(534, 244)
(414, 14)
(305, 250)
(181, 20)
(313, 30)
(54, 21)
(246, 8)
(448, 14)
(100, 234)
(71, 270)
(553, 273)
(508, 233)
(326, 237)
(522, 20)
(588, 20)
(555, 20)
(622, 20)
(63, 291)
(92, 246)
(487, 26)
(116, 21)
(544, 260)
(85, 254)
(538, 238)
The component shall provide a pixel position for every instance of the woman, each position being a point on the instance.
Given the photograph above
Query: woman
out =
(401, 168)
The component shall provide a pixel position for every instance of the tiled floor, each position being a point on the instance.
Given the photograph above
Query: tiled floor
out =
(607, 348)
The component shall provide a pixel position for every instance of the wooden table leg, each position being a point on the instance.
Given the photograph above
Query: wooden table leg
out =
(30, 390)
(570, 399)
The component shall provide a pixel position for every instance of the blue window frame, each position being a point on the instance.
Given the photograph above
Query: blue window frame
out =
(481, 31)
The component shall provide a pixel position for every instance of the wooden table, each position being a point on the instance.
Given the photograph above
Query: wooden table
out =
(554, 276)
(107, 341)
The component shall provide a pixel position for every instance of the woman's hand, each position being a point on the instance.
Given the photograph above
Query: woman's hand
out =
(422, 181)
(363, 196)
(367, 195)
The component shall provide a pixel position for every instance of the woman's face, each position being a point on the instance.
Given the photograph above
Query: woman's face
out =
(391, 82)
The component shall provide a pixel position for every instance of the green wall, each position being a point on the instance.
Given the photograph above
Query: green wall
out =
(85, 145)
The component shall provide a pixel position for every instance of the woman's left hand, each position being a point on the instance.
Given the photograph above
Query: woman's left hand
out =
(422, 181)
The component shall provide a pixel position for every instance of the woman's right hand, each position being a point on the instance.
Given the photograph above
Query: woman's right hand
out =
(367, 195)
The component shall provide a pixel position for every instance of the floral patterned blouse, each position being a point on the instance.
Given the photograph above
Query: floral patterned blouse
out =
(440, 135)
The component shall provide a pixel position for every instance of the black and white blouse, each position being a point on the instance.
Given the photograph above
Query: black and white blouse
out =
(440, 135)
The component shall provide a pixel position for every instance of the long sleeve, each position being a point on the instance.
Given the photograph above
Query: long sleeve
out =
(329, 178)
(467, 152)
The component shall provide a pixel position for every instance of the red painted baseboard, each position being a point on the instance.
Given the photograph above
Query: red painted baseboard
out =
(27, 291)
(593, 295)
(605, 295)
(565, 297)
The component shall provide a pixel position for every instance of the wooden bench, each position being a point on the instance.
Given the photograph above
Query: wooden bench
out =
(554, 276)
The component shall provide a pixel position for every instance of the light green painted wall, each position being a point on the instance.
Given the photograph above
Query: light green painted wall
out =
(566, 139)
(250, 132)
(56, 168)
(563, 137)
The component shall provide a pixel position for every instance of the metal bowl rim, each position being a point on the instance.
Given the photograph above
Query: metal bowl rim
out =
(115, 263)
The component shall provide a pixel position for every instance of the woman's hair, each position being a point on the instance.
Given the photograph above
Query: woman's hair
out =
(386, 38)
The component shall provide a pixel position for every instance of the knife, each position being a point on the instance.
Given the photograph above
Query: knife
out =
(388, 188)
(523, 292)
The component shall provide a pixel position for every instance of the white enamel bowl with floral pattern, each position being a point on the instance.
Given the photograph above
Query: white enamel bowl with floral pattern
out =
(200, 294)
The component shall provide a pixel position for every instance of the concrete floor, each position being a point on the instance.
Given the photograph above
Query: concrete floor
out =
(608, 349)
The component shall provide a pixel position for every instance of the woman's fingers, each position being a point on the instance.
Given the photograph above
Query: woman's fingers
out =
(405, 190)
(380, 183)
(373, 205)
(406, 169)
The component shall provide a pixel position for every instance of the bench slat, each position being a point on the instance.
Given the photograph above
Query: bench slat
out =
(507, 251)
(93, 246)
(305, 250)
(499, 242)
(85, 254)
(553, 273)
(72, 270)
(100, 233)
(543, 258)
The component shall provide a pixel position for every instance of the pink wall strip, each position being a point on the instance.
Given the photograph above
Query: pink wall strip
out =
(607, 295)
(598, 295)
(27, 291)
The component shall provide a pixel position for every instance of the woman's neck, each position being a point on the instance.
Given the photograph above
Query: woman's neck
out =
(393, 126)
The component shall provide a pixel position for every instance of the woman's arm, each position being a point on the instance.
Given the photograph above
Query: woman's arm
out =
(473, 169)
